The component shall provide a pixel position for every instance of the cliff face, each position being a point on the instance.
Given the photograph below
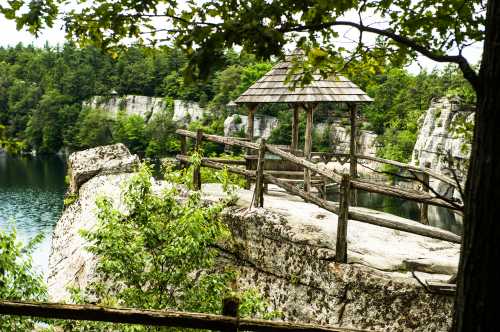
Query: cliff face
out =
(263, 125)
(438, 145)
(285, 251)
(143, 106)
(187, 111)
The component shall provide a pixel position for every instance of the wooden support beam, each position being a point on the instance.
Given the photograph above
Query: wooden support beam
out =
(228, 161)
(231, 308)
(170, 318)
(353, 162)
(206, 162)
(363, 184)
(250, 124)
(424, 209)
(308, 145)
(295, 128)
(196, 170)
(423, 230)
(343, 217)
(183, 141)
(259, 183)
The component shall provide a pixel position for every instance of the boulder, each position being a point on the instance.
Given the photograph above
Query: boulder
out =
(84, 165)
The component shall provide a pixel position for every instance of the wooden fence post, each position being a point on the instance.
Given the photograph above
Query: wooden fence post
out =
(343, 216)
(353, 161)
(196, 170)
(230, 307)
(424, 209)
(259, 182)
(308, 146)
(183, 141)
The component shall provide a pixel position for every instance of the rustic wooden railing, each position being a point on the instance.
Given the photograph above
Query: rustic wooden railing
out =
(228, 321)
(346, 183)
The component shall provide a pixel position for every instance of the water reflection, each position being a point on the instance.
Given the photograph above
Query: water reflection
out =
(31, 198)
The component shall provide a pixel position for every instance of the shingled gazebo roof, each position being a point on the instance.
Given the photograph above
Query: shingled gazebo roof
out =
(271, 88)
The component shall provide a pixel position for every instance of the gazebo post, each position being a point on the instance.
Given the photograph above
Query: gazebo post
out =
(251, 113)
(295, 128)
(308, 144)
(353, 161)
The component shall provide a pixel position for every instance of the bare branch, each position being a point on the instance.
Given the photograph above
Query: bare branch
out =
(469, 73)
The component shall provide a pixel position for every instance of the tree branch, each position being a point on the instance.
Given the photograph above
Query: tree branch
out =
(469, 73)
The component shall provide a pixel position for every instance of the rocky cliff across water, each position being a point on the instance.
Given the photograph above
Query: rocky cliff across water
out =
(143, 106)
(284, 250)
(439, 146)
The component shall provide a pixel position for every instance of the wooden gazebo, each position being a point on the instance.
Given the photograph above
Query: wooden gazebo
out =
(272, 88)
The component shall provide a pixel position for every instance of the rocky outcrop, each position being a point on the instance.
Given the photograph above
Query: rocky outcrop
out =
(438, 145)
(93, 173)
(103, 160)
(187, 111)
(340, 137)
(143, 106)
(286, 252)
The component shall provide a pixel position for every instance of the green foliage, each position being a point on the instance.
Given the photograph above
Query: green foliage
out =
(12, 146)
(18, 281)
(131, 131)
(94, 127)
(161, 254)
(70, 199)
(205, 30)
(42, 90)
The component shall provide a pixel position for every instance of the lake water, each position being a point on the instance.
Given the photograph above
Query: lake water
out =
(31, 198)
(32, 190)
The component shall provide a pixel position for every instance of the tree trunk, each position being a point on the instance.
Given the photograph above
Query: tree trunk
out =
(478, 286)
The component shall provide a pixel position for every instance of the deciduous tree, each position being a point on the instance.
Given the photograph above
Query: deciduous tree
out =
(439, 30)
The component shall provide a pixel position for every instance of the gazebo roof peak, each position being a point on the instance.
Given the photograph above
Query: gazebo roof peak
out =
(272, 88)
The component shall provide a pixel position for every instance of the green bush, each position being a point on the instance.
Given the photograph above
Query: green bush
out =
(94, 128)
(160, 255)
(18, 281)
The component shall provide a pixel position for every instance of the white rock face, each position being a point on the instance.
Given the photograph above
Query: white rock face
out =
(144, 106)
(70, 264)
(187, 111)
(286, 252)
(436, 141)
(263, 125)
(340, 139)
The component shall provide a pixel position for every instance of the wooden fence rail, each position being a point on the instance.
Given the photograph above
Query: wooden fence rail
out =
(346, 183)
(373, 187)
(156, 318)
(408, 167)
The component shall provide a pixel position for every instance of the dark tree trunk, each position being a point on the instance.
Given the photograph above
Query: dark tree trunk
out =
(478, 293)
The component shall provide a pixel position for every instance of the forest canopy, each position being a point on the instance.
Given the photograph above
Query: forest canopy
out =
(43, 90)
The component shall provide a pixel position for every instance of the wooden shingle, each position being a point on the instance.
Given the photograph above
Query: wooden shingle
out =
(272, 88)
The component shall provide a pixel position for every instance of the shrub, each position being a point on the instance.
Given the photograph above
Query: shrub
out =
(18, 281)
(161, 254)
